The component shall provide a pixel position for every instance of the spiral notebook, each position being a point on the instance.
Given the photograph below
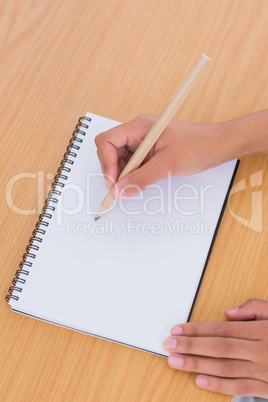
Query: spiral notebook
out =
(133, 274)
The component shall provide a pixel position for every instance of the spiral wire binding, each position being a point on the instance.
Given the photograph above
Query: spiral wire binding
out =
(47, 210)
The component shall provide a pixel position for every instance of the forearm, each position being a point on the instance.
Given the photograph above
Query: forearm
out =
(247, 135)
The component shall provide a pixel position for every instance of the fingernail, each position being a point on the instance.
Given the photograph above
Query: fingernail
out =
(233, 310)
(175, 361)
(177, 330)
(201, 382)
(170, 343)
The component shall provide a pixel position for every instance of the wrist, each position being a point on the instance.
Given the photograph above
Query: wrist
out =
(230, 141)
(244, 136)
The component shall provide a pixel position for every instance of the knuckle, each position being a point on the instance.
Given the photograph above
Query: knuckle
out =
(252, 306)
(222, 329)
(143, 116)
(225, 348)
(146, 118)
(98, 140)
(192, 364)
(227, 369)
(186, 345)
(192, 328)
(252, 302)
(216, 385)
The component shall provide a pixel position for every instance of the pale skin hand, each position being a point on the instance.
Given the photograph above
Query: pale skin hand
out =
(183, 148)
(231, 357)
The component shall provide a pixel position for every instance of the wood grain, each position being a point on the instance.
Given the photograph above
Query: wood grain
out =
(119, 59)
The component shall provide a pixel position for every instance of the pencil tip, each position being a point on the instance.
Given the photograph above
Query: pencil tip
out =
(97, 217)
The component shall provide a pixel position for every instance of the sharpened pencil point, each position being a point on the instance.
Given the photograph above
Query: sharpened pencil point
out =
(97, 217)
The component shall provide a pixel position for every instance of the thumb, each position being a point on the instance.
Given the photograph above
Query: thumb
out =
(141, 178)
(252, 309)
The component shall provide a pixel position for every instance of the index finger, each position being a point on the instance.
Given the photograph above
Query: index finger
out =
(233, 329)
(110, 144)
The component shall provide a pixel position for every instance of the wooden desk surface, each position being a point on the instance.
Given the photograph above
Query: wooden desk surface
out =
(119, 59)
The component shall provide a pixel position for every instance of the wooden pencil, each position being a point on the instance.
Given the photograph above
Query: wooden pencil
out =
(158, 127)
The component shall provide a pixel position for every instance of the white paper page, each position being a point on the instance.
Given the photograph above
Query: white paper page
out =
(133, 274)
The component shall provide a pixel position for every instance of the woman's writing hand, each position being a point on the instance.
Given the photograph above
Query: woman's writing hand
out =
(183, 148)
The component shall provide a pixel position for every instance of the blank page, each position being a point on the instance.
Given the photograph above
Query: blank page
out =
(133, 274)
